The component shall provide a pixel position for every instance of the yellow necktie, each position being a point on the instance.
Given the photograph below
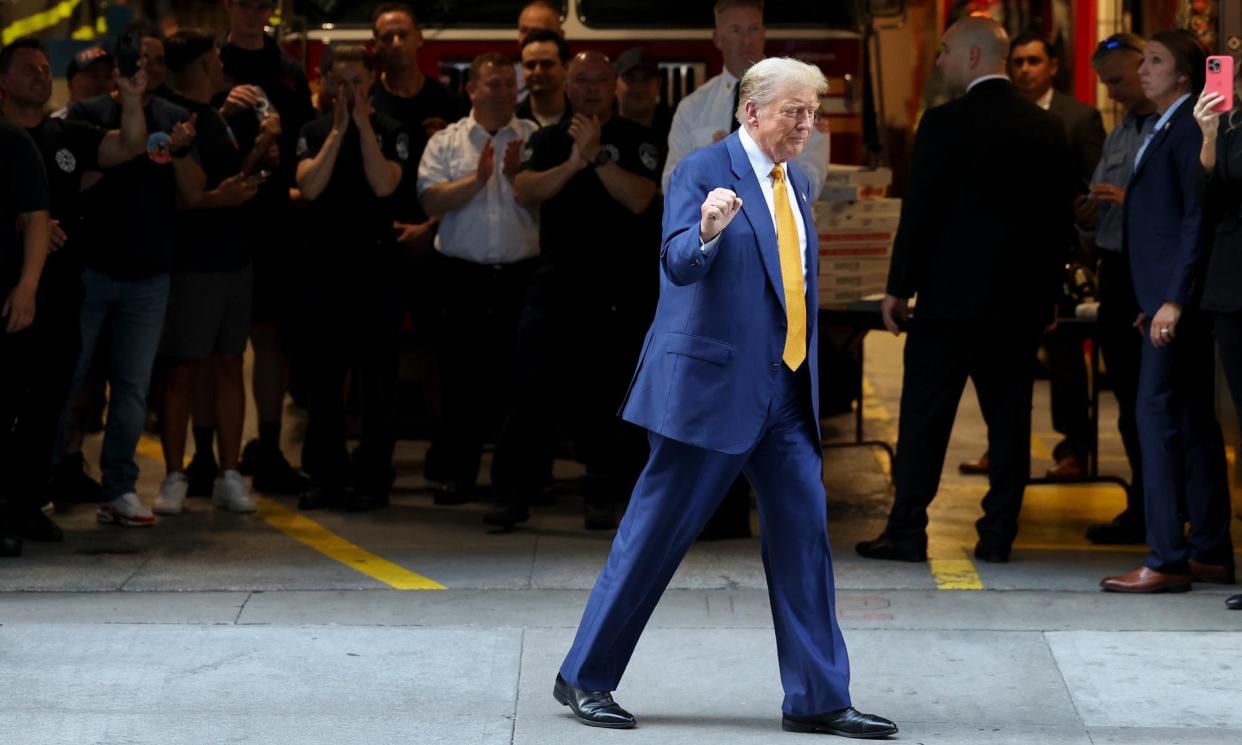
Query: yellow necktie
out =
(791, 272)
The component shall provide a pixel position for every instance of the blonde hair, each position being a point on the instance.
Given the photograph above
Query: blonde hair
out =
(766, 79)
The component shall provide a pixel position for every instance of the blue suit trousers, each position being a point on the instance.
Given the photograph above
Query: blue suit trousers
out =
(676, 494)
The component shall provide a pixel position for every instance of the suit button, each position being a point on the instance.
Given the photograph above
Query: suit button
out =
(695, 262)
(776, 365)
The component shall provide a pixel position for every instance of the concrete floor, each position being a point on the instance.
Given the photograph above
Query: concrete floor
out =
(287, 628)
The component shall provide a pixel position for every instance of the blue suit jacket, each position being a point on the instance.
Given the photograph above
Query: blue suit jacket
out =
(1164, 214)
(712, 357)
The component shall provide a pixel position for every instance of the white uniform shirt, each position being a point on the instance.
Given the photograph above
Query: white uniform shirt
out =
(709, 111)
(491, 228)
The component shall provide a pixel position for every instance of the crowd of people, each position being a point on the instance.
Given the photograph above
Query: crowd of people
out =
(1160, 212)
(194, 197)
(204, 200)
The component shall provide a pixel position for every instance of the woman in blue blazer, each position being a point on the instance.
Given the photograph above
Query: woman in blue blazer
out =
(1183, 452)
(1221, 157)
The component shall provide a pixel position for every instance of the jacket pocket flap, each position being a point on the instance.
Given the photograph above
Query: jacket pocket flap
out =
(699, 347)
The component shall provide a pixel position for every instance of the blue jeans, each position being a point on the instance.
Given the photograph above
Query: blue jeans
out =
(133, 310)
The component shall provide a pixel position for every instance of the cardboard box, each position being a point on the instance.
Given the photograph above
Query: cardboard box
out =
(863, 265)
(855, 251)
(827, 222)
(851, 193)
(844, 296)
(874, 282)
(841, 175)
(866, 207)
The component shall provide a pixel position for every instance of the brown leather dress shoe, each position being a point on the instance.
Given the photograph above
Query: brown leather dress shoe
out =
(1218, 574)
(975, 467)
(1144, 579)
(1068, 468)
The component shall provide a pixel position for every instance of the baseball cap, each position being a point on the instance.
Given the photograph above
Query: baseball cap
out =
(86, 58)
(636, 58)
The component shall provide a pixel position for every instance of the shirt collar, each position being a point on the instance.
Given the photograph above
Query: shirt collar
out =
(474, 123)
(979, 80)
(1166, 116)
(759, 160)
(729, 78)
(1045, 101)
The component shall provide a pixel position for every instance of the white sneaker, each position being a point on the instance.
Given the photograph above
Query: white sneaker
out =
(231, 494)
(125, 510)
(173, 489)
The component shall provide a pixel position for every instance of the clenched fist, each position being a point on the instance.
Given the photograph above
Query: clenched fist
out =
(718, 210)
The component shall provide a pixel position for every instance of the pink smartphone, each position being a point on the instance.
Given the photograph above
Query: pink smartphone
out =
(1220, 80)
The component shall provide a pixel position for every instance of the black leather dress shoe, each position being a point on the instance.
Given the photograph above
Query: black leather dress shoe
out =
(843, 722)
(883, 548)
(365, 502)
(36, 526)
(320, 498)
(506, 516)
(1234, 602)
(453, 494)
(594, 708)
(1119, 531)
(10, 546)
(991, 554)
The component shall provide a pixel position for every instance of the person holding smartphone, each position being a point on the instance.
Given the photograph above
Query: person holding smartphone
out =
(208, 316)
(1182, 449)
(1221, 158)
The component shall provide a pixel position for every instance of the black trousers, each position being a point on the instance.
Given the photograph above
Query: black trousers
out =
(475, 343)
(1228, 328)
(1067, 378)
(939, 357)
(1120, 346)
(36, 374)
(356, 317)
(575, 358)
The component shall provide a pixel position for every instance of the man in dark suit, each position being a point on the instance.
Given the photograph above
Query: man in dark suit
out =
(983, 252)
(726, 385)
(1033, 65)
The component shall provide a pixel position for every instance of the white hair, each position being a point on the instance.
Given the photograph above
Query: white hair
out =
(769, 78)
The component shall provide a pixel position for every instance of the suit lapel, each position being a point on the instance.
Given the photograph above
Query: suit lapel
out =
(801, 189)
(755, 208)
(1160, 136)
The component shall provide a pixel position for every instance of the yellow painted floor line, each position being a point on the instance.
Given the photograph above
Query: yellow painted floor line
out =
(954, 574)
(947, 558)
(303, 529)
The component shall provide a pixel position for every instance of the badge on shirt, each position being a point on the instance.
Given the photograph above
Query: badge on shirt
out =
(528, 151)
(613, 153)
(159, 148)
(302, 147)
(649, 155)
(66, 161)
(403, 147)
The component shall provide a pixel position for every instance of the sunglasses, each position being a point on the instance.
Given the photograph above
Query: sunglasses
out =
(1113, 43)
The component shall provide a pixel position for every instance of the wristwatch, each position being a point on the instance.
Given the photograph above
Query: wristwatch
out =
(601, 158)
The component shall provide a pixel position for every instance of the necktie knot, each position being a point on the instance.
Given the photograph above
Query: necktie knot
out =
(778, 173)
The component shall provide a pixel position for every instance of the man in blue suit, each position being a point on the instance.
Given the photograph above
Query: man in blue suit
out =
(726, 385)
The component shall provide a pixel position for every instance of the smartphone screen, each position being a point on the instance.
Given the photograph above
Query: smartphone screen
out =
(1220, 80)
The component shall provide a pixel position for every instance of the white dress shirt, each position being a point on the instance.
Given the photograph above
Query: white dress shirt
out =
(763, 166)
(708, 111)
(491, 228)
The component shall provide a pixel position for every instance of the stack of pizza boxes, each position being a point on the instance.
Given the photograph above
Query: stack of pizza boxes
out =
(856, 224)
